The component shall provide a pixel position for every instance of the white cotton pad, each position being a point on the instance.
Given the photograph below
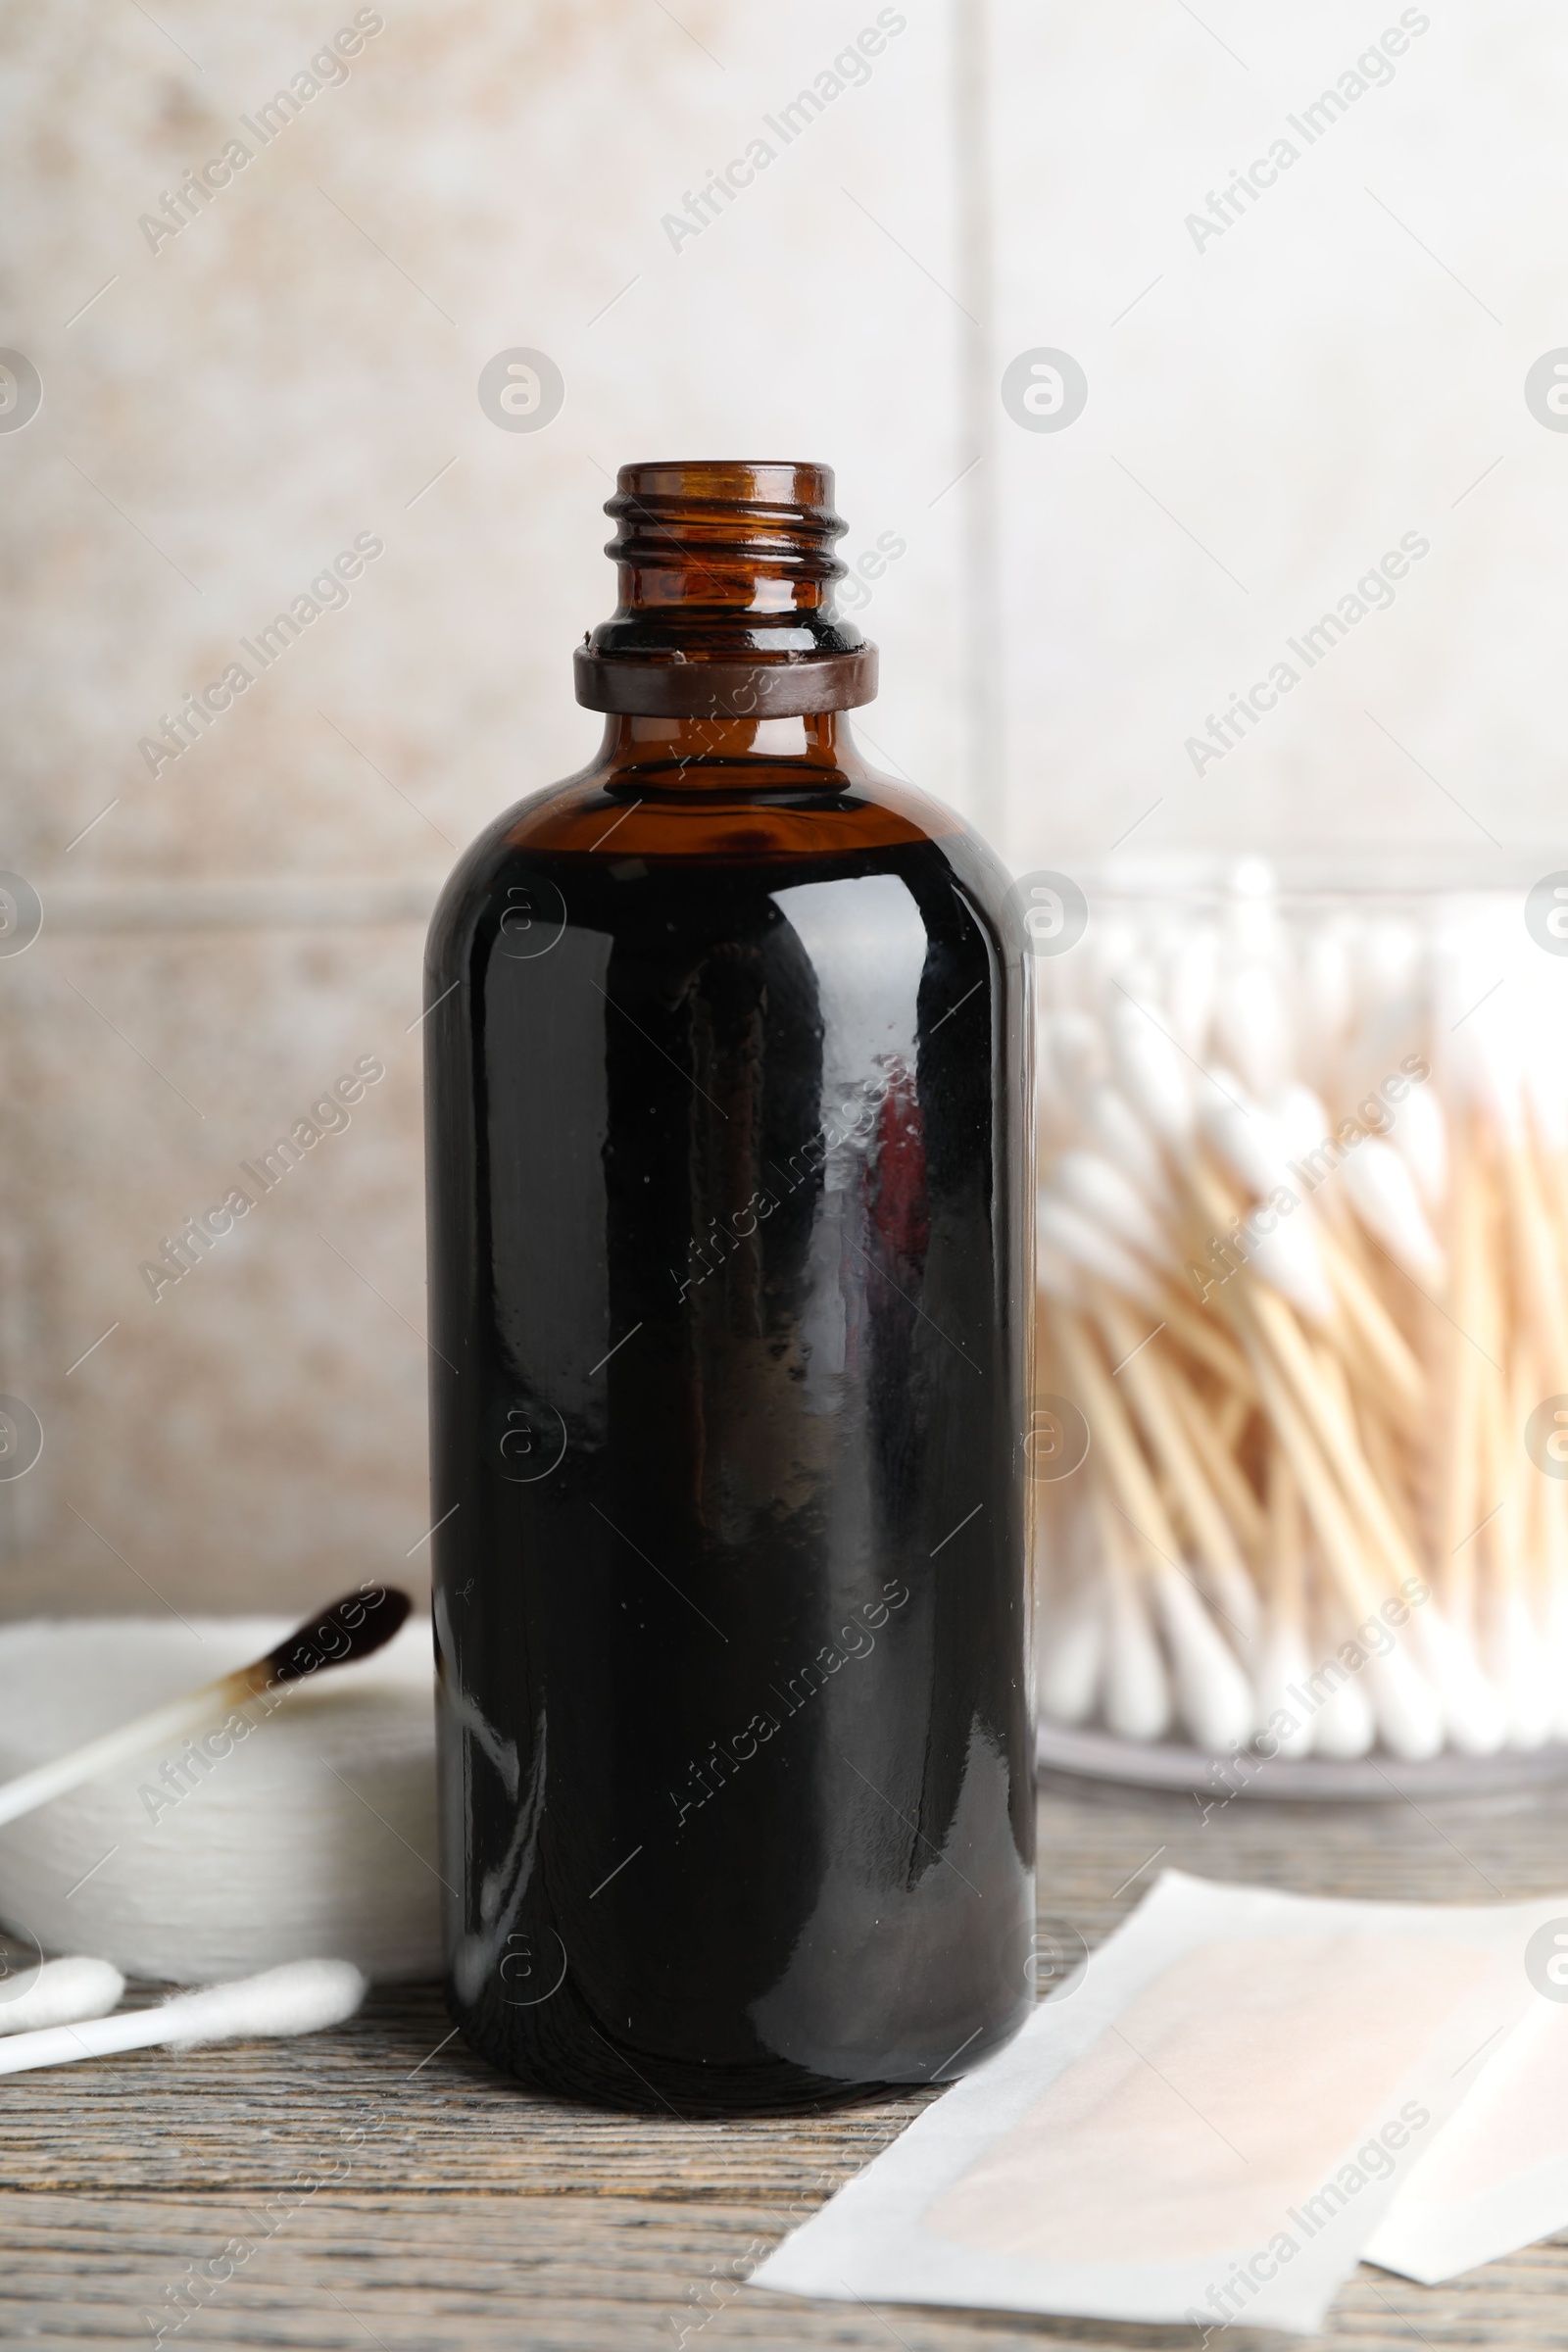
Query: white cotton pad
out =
(315, 1833)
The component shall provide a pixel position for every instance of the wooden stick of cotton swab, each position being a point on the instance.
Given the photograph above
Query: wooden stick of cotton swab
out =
(1302, 1257)
(1408, 1715)
(302, 1997)
(1112, 1651)
(1460, 1506)
(1283, 1660)
(351, 1627)
(1166, 1429)
(1212, 1690)
(1315, 1371)
(1522, 1667)
(1091, 1212)
(1094, 1217)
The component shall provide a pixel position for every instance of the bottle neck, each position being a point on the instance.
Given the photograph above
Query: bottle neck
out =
(814, 751)
(727, 573)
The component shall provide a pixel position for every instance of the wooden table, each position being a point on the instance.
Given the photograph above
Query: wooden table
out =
(453, 2209)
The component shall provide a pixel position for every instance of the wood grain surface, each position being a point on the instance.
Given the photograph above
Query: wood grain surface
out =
(378, 2185)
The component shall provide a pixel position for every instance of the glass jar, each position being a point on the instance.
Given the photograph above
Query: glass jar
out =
(1300, 1441)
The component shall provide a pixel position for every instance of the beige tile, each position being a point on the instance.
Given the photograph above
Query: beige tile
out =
(1271, 416)
(256, 1436)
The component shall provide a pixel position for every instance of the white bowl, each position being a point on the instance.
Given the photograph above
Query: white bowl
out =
(313, 1835)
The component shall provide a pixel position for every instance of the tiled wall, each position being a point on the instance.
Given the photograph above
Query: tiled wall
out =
(297, 367)
(1275, 401)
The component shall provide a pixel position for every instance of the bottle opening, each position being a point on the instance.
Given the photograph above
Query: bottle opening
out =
(726, 575)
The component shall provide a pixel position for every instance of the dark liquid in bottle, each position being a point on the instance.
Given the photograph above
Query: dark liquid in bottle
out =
(728, 1139)
(736, 1719)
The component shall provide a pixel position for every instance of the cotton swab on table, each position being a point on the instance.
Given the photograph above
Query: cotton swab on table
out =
(60, 1992)
(351, 1627)
(301, 1998)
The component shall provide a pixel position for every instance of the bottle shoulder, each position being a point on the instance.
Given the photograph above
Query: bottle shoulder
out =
(729, 824)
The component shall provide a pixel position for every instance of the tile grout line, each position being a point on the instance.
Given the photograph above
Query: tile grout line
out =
(985, 727)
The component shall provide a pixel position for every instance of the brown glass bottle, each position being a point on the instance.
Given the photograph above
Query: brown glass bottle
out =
(728, 1133)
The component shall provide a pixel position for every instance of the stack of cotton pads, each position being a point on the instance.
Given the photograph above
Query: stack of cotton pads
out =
(311, 1831)
(1303, 1270)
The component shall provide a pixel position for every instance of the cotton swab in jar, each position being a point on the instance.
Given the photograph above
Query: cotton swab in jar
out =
(1164, 1427)
(1472, 1712)
(1115, 1127)
(1403, 1705)
(1073, 1654)
(1421, 1139)
(1343, 1725)
(351, 1629)
(1383, 1193)
(1095, 1186)
(60, 1992)
(1252, 1030)
(303, 1998)
(1074, 1052)
(1193, 984)
(1306, 1193)
(1137, 1700)
(1283, 1662)
(1154, 1079)
(1212, 1690)
(1089, 1246)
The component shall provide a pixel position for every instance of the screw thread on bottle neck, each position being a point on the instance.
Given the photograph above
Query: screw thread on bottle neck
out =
(726, 570)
